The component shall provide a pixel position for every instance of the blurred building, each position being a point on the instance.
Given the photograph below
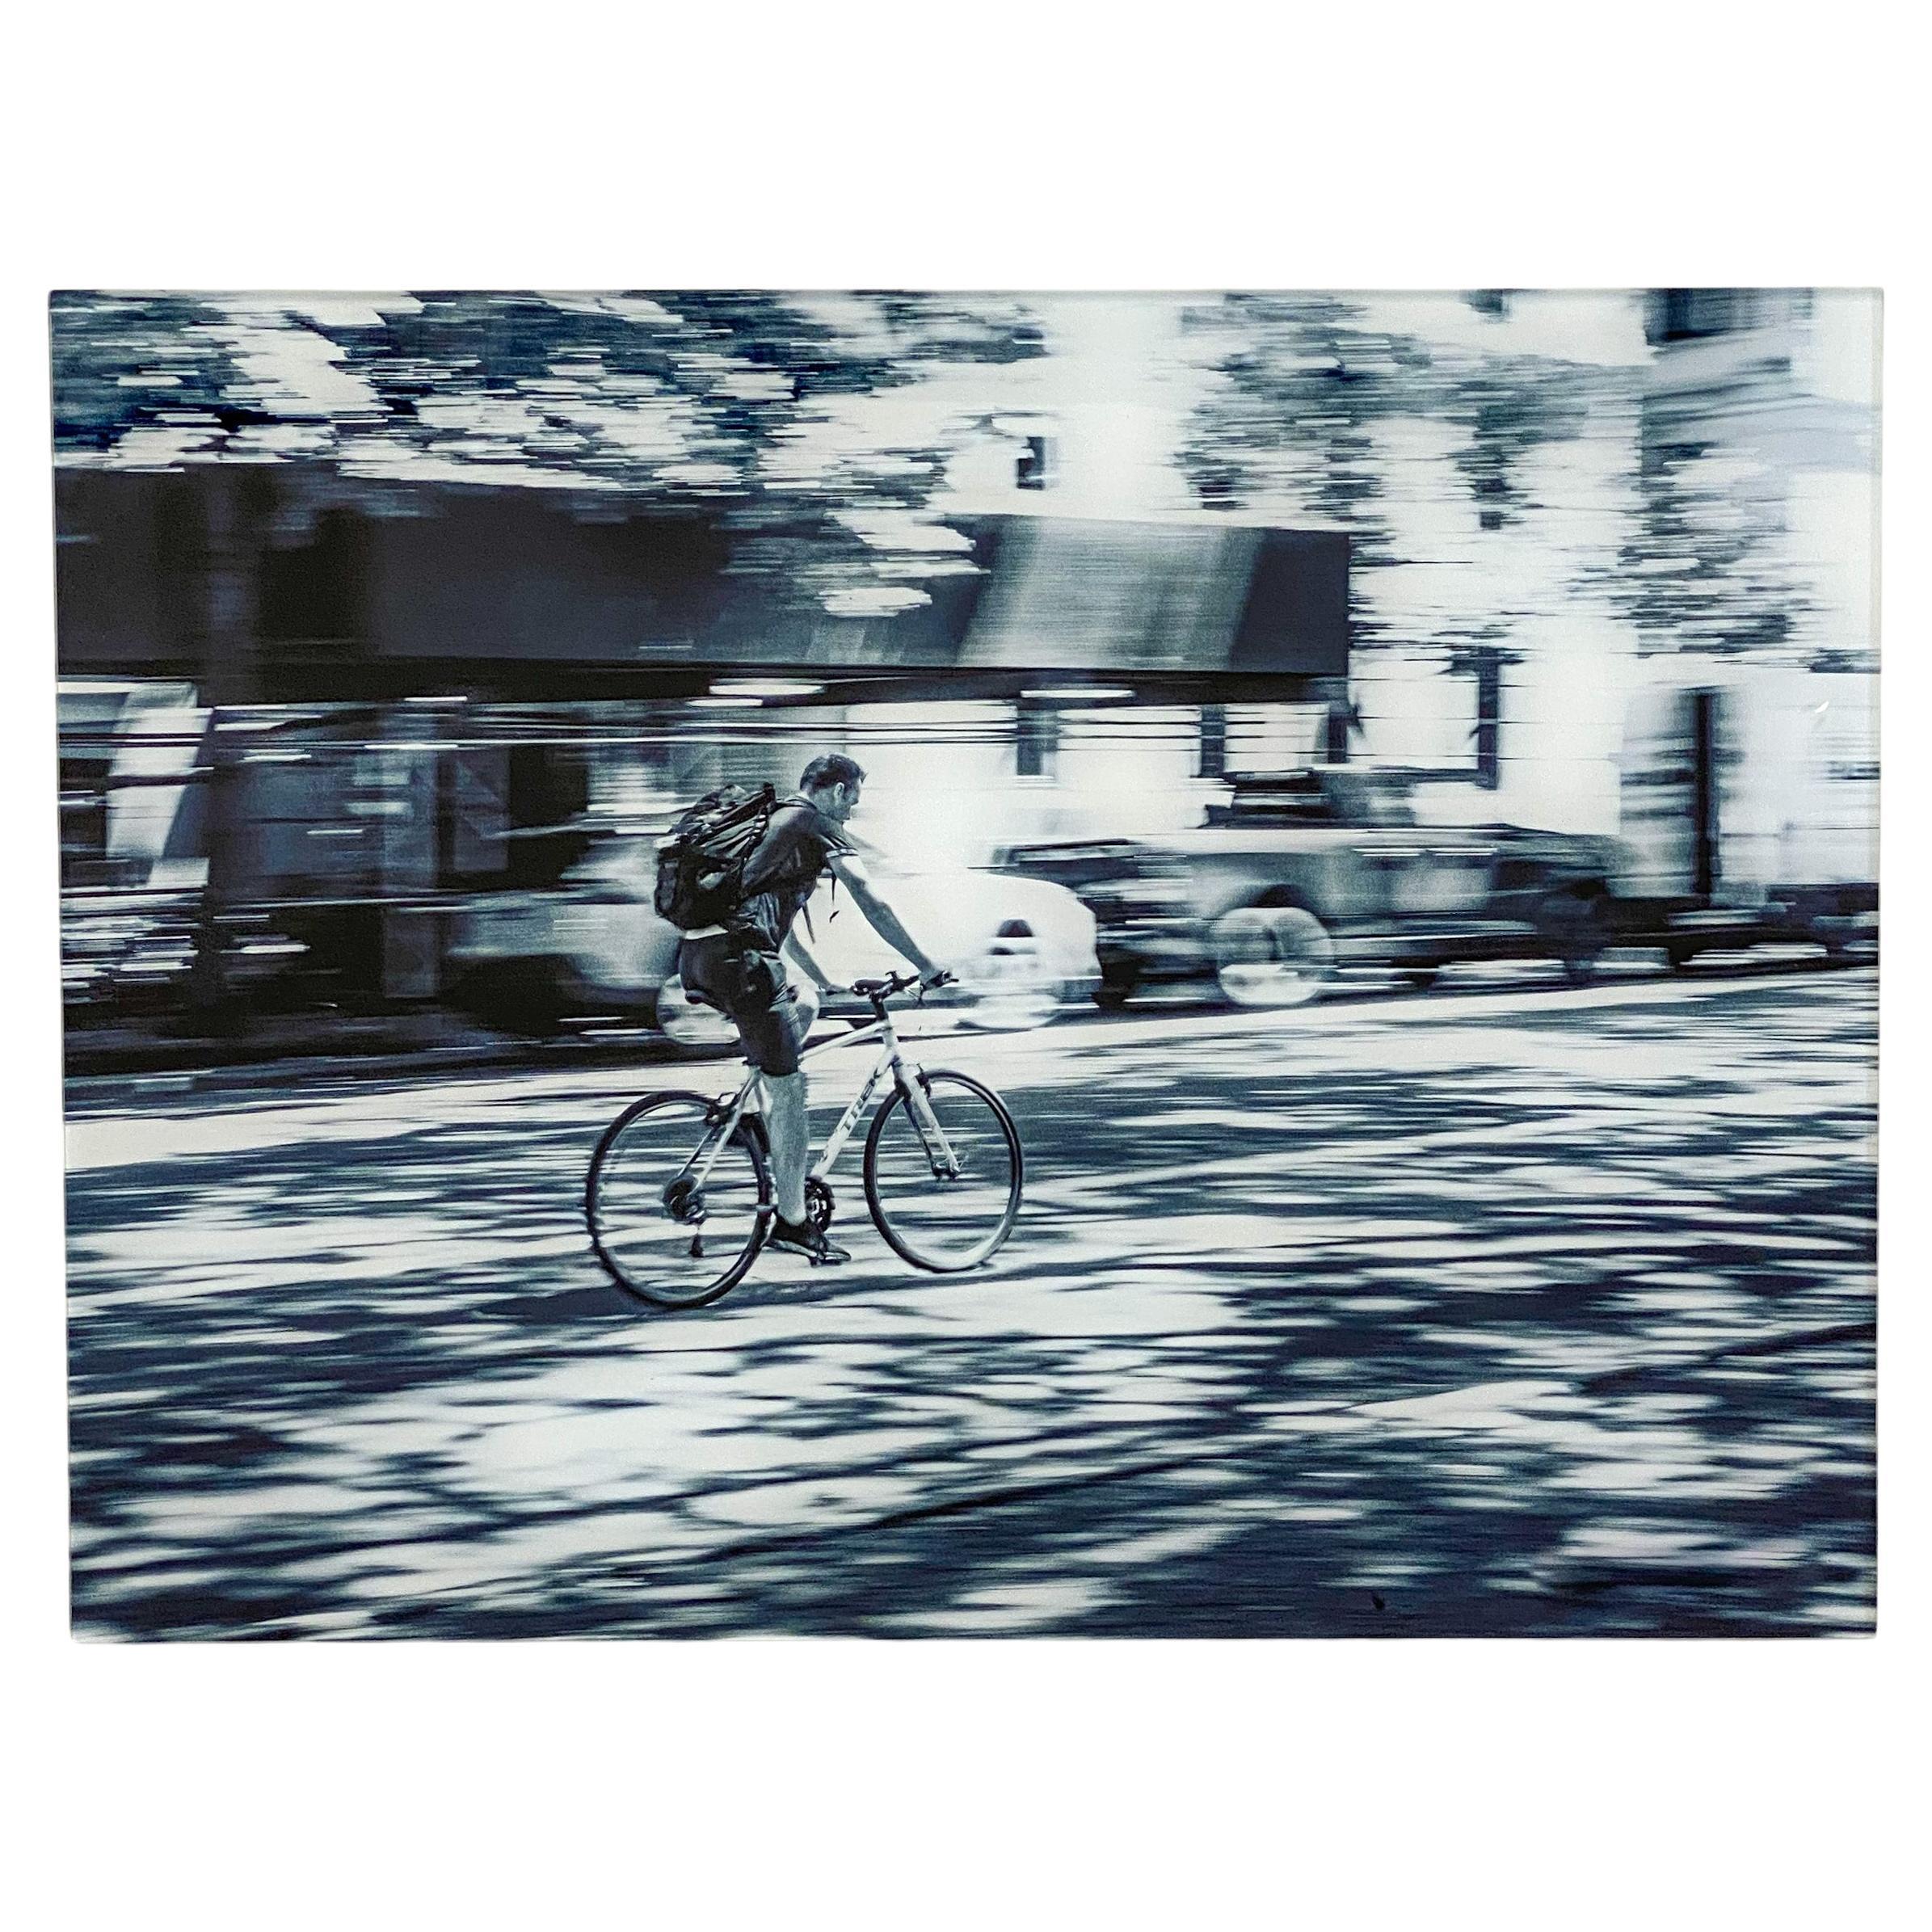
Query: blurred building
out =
(1758, 462)
(375, 694)
(1745, 513)
(381, 698)
(1573, 497)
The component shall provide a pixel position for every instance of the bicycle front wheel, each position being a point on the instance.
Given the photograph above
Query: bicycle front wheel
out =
(945, 1200)
(669, 1230)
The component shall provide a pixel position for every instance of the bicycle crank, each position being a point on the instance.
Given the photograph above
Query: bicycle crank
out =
(818, 1203)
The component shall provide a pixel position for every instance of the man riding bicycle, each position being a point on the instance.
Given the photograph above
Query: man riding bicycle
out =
(739, 967)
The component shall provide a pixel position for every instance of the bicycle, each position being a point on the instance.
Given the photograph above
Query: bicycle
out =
(679, 1196)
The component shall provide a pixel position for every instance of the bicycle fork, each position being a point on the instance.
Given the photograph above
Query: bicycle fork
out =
(944, 1162)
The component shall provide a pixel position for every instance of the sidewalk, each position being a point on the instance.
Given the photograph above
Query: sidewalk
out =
(270, 1051)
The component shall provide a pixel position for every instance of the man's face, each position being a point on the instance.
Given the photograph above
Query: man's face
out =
(844, 801)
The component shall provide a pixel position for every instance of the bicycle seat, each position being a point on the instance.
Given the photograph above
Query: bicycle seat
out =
(865, 988)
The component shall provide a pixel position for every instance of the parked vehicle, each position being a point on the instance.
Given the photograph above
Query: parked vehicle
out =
(1302, 872)
(594, 946)
(1024, 948)
(1747, 815)
(1750, 811)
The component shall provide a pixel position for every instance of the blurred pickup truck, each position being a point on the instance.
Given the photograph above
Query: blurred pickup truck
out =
(1303, 871)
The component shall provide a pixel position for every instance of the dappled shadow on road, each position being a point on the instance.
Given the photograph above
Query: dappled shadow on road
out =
(1415, 1329)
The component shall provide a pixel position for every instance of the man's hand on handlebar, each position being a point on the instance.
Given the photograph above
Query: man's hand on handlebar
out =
(895, 983)
(944, 988)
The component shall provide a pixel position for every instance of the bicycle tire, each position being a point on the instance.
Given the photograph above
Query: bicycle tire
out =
(635, 1235)
(977, 1123)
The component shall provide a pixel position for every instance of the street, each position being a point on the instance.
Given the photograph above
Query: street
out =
(1548, 1312)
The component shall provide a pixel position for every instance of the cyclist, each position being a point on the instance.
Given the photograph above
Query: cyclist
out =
(739, 967)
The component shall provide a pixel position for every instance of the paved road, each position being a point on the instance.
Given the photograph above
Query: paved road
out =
(1550, 1314)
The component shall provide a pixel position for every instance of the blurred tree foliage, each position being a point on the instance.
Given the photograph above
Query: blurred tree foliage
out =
(763, 408)
(1305, 387)
(1307, 380)
(1303, 379)
(1707, 565)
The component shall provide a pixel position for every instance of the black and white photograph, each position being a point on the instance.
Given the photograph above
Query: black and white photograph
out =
(943, 974)
(914, 964)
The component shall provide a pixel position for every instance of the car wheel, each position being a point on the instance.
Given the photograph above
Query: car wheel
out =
(523, 997)
(1119, 981)
(1572, 929)
(1271, 955)
(1014, 987)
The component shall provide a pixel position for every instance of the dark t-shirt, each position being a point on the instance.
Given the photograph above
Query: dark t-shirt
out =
(784, 866)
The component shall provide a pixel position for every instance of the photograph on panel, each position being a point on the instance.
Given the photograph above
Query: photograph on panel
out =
(995, 965)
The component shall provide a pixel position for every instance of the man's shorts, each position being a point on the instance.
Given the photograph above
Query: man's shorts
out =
(749, 987)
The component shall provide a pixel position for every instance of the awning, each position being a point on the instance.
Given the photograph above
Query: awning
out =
(358, 590)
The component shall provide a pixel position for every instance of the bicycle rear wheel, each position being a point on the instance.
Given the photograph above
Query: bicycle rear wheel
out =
(664, 1238)
(945, 1205)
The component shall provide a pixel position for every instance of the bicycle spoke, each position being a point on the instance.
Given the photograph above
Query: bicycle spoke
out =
(674, 1222)
(944, 1202)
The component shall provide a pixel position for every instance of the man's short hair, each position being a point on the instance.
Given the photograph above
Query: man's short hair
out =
(834, 767)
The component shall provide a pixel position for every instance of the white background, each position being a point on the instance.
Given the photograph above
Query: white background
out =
(1029, 147)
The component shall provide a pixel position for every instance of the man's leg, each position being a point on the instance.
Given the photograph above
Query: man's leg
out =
(785, 1119)
(785, 1127)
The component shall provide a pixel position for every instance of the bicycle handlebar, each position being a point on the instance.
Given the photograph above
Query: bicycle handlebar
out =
(894, 983)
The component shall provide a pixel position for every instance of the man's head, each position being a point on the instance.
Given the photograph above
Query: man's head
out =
(832, 783)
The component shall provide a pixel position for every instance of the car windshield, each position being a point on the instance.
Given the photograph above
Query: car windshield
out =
(1079, 864)
(1365, 797)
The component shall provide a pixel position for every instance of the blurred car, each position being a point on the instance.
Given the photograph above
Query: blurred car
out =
(594, 947)
(1024, 948)
(533, 959)
(1300, 873)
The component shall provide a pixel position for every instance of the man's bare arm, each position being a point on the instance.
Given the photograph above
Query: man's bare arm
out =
(851, 873)
(795, 948)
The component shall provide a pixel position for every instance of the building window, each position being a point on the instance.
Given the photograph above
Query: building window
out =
(1038, 727)
(1214, 741)
(1488, 665)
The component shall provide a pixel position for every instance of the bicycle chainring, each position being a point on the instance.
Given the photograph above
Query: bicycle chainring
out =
(818, 1203)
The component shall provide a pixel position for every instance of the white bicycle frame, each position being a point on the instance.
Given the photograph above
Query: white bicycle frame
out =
(906, 1075)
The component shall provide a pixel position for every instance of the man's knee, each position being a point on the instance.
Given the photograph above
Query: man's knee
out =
(805, 1012)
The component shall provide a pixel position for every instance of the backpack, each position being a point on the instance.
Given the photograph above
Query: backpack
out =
(701, 862)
